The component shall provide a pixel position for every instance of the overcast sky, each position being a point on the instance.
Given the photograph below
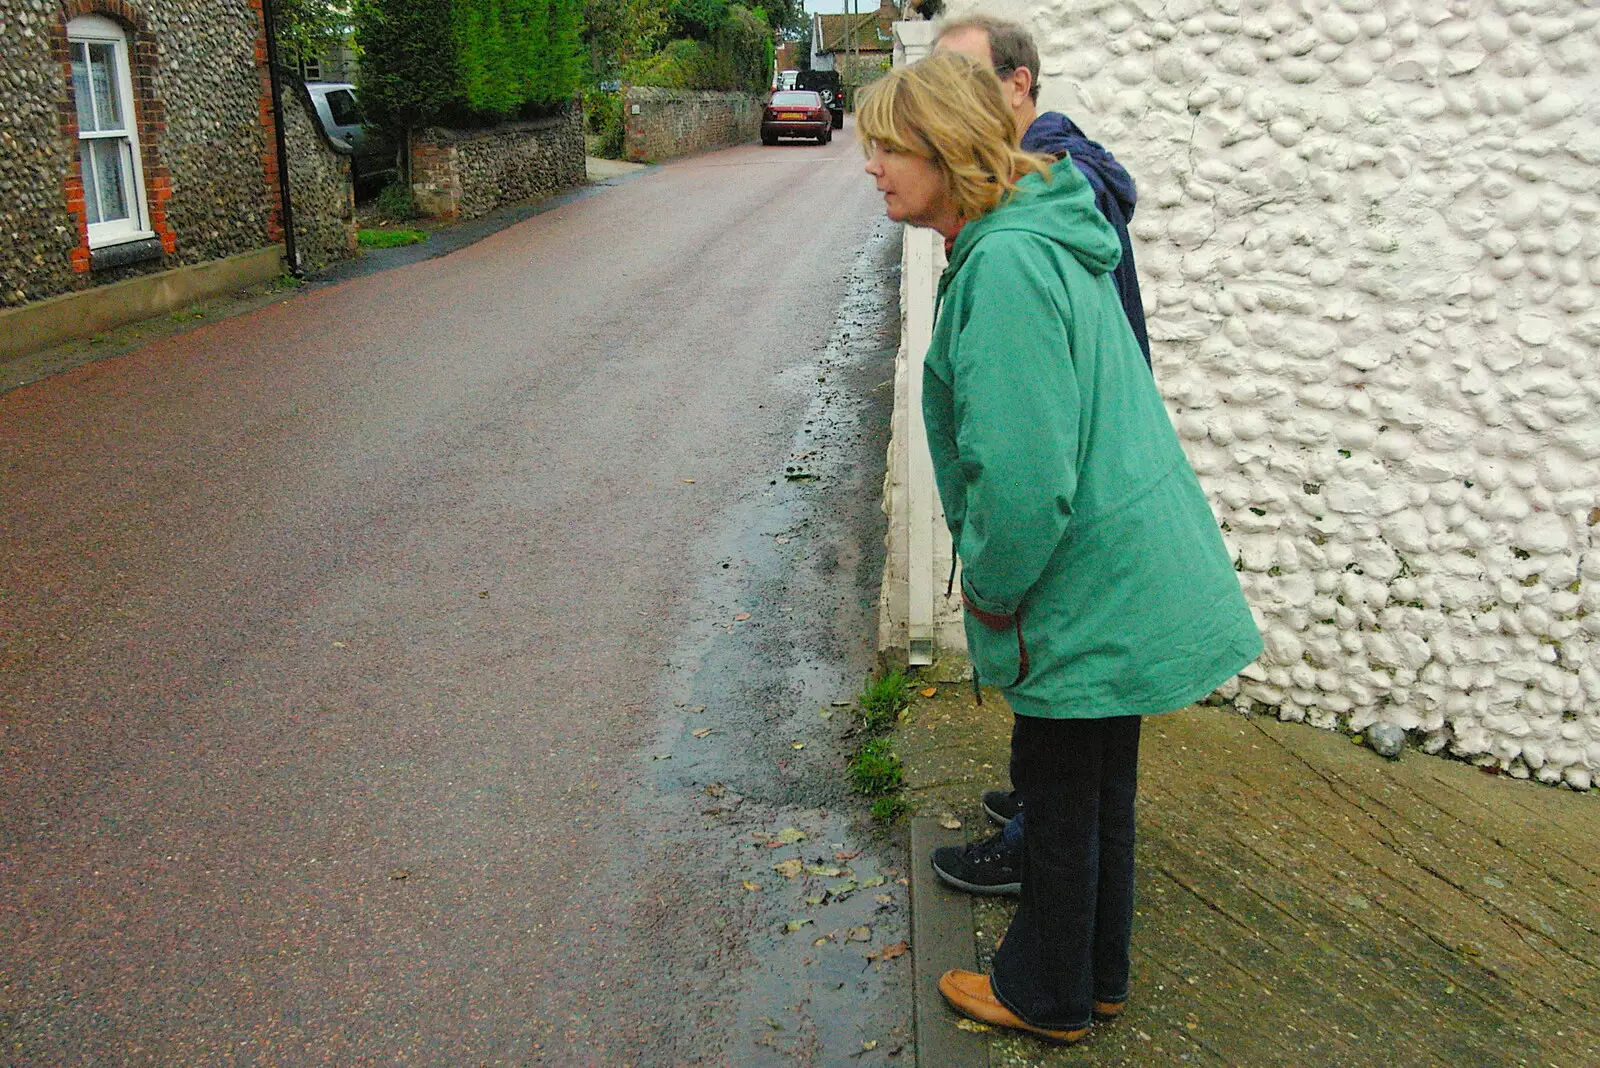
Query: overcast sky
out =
(834, 7)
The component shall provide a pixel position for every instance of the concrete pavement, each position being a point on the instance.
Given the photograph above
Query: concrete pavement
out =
(1304, 902)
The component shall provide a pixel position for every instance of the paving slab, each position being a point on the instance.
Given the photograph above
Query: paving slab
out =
(1304, 901)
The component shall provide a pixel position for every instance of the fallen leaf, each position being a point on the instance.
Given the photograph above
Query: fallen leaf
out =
(847, 887)
(841, 704)
(884, 899)
(973, 1025)
(876, 880)
(716, 789)
(816, 899)
(794, 925)
(797, 745)
(949, 822)
(889, 952)
(336, 645)
(870, 1045)
(859, 934)
(931, 691)
(661, 756)
(483, 593)
(776, 1026)
(824, 870)
(789, 868)
(791, 835)
(702, 732)
(782, 540)
(851, 855)
(825, 713)
(400, 874)
(821, 941)
(690, 481)
(754, 888)
(741, 617)
(697, 708)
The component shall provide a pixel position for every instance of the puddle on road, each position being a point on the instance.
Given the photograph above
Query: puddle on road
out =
(806, 898)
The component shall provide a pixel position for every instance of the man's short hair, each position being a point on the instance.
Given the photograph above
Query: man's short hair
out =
(1011, 46)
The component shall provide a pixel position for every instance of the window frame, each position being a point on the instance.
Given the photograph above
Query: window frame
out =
(85, 30)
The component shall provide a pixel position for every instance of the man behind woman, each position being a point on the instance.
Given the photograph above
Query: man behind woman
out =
(1096, 585)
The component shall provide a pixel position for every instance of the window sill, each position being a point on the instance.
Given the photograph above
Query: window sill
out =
(128, 238)
(126, 251)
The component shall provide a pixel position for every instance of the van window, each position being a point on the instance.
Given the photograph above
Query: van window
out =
(342, 106)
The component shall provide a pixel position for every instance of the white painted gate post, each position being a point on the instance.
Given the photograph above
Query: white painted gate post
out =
(921, 260)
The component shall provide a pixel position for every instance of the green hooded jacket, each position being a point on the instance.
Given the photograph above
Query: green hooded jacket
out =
(1095, 579)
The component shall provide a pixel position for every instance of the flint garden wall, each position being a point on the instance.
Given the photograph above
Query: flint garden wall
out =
(468, 173)
(660, 124)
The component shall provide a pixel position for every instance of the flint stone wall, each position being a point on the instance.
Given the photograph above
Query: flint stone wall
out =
(207, 91)
(321, 189)
(681, 122)
(468, 173)
(1369, 240)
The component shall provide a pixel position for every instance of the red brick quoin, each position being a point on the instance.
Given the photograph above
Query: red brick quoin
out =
(149, 117)
(269, 128)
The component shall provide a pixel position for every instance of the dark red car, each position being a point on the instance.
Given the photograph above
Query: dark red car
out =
(796, 113)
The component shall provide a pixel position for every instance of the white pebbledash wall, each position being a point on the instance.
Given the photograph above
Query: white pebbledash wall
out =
(1369, 246)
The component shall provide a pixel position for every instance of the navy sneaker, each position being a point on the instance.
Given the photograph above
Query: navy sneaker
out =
(985, 867)
(1002, 806)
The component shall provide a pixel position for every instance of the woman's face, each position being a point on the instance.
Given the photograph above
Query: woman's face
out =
(914, 189)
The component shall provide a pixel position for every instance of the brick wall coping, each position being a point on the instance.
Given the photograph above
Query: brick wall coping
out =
(453, 133)
(644, 93)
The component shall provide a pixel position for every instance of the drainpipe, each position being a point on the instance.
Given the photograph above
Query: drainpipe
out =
(269, 16)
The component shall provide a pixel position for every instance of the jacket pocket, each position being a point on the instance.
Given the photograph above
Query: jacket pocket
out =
(998, 650)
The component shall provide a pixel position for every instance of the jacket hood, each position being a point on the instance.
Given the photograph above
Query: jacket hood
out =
(1056, 135)
(1061, 209)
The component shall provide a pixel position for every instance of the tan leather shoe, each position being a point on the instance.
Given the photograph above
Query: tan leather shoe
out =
(1108, 1010)
(970, 994)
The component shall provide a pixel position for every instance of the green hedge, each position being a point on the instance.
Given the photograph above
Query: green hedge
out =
(461, 62)
(735, 53)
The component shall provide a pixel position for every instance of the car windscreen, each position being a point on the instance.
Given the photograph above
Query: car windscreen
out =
(342, 106)
(796, 100)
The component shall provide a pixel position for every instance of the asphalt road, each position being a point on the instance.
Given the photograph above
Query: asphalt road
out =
(376, 684)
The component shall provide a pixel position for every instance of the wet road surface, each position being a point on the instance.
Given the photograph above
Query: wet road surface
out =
(441, 667)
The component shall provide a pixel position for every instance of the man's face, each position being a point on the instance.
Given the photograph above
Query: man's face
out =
(1015, 85)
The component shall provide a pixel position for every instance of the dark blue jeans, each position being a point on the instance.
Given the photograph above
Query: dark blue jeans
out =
(1068, 943)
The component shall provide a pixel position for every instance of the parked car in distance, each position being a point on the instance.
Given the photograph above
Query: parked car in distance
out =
(785, 79)
(797, 113)
(341, 117)
(830, 87)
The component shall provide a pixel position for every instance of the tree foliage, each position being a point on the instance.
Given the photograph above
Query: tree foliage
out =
(309, 29)
(714, 45)
(465, 61)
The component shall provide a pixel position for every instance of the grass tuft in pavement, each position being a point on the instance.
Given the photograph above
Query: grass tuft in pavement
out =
(882, 701)
(389, 238)
(875, 769)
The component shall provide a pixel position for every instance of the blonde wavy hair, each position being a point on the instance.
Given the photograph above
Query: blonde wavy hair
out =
(948, 108)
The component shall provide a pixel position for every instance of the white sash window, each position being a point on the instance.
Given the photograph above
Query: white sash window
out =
(108, 135)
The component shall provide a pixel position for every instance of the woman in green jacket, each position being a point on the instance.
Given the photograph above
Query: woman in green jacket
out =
(1096, 585)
